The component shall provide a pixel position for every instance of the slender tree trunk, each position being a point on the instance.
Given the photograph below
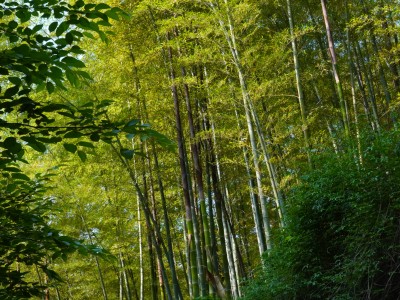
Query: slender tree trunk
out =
(141, 270)
(300, 94)
(342, 102)
(353, 91)
(229, 255)
(214, 254)
(124, 277)
(121, 286)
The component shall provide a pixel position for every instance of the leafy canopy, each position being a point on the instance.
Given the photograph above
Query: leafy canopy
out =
(39, 53)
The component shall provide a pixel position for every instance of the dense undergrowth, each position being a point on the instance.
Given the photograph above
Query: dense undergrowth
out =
(342, 238)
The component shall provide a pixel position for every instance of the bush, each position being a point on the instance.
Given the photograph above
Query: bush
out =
(342, 238)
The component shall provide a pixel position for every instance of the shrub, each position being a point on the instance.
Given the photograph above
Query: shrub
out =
(342, 238)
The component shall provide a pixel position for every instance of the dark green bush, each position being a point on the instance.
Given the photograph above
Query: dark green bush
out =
(342, 239)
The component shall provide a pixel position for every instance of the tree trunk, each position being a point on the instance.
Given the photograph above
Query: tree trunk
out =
(342, 102)
(300, 94)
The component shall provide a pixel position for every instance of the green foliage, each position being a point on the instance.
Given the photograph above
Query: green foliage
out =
(26, 237)
(35, 56)
(342, 239)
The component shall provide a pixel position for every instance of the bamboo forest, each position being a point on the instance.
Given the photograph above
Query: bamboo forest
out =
(199, 149)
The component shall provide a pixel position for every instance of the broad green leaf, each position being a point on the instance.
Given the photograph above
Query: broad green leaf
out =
(89, 35)
(24, 15)
(95, 137)
(20, 176)
(102, 6)
(37, 28)
(76, 49)
(34, 143)
(22, 50)
(53, 26)
(12, 145)
(73, 62)
(128, 154)
(51, 140)
(12, 25)
(13, 38)
(72, 78)
(50, 87)
(86, 144)
(10, 92)
(56, 72)
(15, 80)
(69, 37)
(73, 134)
(79, 4)
(4, 71)
(70, 147)
(82, 155)
(133, 122)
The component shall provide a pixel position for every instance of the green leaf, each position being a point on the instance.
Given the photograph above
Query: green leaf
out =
(72, 78)
(50, 87)
(128, 154)
(161, 139)
(22, 50)
(10, 92)
(86, 144)
(113, 14)
(24, 15)
(69, 37)
(104, 23)
(54, 107)
(89, 6)
(56, 72)
(70, 147)
(82, 155)
(133, 122)
(77, 50)
(103, 37)
(66, 114)
(34, 143)
(12, 25)
(52, 275)
(36, 28)
(79, 4)
(102, 6)
(89, 35)
(53, 26)
(15, 80)
(12, 145)
(83, 74)
(13, 38)
(20, 176)
(73, 134)
(3, 71)
(104, 103)
(63, 27)
(52, 140)
(12, 169)
(95, 137)
(73, 62)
